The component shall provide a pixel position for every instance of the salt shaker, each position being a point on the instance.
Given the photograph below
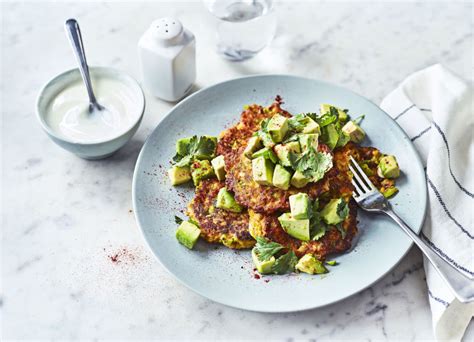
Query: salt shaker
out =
(167, 54)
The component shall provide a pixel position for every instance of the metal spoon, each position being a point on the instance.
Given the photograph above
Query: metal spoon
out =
(74, 34)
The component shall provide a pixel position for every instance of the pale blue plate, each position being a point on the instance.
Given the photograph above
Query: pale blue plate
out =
(226, 276)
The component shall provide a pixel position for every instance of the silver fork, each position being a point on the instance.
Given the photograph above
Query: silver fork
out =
(370, 199)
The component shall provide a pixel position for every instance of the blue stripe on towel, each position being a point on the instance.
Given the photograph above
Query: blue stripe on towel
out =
(439, 300)
(443, 254)
(421, 133)
(438, 196)
(449, 161)
(406, 110)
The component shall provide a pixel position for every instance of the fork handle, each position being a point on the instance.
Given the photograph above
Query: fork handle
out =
(455, 278)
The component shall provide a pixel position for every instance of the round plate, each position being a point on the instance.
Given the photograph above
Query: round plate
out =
(226, 276)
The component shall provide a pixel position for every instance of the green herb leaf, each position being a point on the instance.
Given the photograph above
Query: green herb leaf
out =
(184, 161)
(296, 123)
(342, 209)
(327, 118)
(331, 262)
(341, 230)
(317, 226)
(359, 119)
(343, 140)
(286, 263)
(311, 164)
(265, 248)
(318, 231)
(178, 220)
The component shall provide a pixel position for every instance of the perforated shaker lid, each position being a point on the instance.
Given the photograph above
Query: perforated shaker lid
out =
(167, 30)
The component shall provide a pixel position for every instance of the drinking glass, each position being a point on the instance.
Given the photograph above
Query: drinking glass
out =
(244, 27)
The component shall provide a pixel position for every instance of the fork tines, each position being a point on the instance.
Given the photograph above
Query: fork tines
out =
(361, 182)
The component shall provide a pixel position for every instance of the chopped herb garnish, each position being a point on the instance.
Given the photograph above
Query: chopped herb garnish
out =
(265, 248)
(341, 230)
(311, 164)
(286, 263)
(342, 209)
(331, 262)
(359, 119)
(196, 148)
(178, 220)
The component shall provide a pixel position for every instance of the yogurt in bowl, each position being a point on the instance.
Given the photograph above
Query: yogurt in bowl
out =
(63, 111)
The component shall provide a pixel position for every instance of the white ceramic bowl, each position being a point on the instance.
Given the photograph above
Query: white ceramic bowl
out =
(97, 149)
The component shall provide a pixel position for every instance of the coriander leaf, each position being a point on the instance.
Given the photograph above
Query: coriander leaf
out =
(286, 263)
(265, 248)
(311, 164)
(291, 138)
(185, 161)
(192, 146)
(318, 232)
(205, 146)
(324, 164)
(342, 209)
(269, 154)
(178, 220)
(334, 111)
(177, 157)
(343, 140)
(359, 119)
(317, 226)
(296, 122)
(330, 135)
(326, 119)
(341, 230)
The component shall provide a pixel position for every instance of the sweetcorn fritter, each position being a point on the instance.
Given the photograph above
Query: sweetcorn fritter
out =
(218, 225)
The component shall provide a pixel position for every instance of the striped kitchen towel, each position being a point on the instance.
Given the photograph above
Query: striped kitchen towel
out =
(435, 108)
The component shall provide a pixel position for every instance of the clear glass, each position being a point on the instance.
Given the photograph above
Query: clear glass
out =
(244, 27)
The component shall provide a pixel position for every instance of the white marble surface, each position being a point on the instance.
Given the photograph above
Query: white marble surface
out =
(62, 217)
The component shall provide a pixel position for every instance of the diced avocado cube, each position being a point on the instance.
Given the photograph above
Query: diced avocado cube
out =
(206, 148)
(253, 145)
(330, 214)
(218, 165)
(298, 180)
(341, 113)
(201, 169)
(267, 140)
(300, 206)
(179, 175)
(281, 177)
(299, 229)
(182, 146)
(262, 171)
(310, 126)
(264, 267)
(266, 153)
(307, 141)
(283, 152)
(389, 192)
(187, 234)
(331, 136)
(277, 127)
(343, 116)
(388, 167)
(354, 132)
(225, 200)
(309, 264)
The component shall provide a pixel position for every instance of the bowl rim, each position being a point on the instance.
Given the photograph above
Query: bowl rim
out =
(134, 85)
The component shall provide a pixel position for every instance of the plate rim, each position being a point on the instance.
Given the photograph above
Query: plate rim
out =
(419, 163)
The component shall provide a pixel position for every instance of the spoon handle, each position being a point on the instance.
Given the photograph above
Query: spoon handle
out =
(74, 34)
